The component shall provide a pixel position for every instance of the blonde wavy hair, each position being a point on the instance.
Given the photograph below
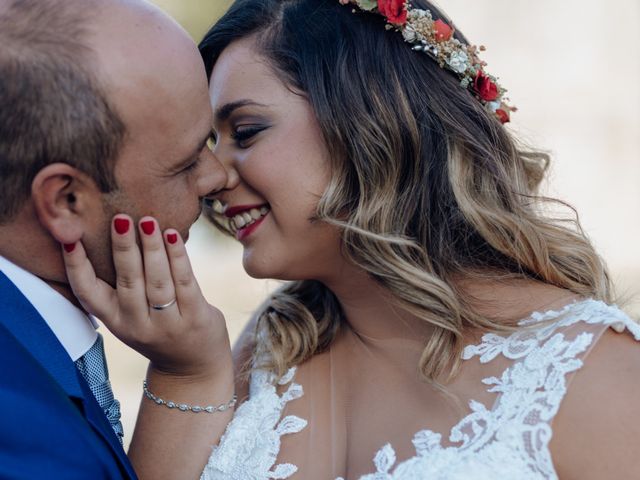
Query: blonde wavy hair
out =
(426, 185)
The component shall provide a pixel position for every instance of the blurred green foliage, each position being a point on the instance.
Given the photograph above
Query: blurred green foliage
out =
(196, 16)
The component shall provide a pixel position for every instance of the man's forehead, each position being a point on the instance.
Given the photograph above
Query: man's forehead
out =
(156, 82)
(162, 141)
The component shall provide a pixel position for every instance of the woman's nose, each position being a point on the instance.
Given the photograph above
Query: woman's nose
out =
(227, 162)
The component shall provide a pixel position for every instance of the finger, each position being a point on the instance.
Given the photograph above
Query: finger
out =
(159, 283)
(130, 282)
(187, 290)
(95, 295)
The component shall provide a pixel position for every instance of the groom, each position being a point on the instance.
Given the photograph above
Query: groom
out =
(103, 109)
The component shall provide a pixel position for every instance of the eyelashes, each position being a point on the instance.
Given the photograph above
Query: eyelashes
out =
(243, 134)
(191, 166)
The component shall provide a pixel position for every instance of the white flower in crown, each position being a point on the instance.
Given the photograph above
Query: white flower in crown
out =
(458, 61)
(409, 34)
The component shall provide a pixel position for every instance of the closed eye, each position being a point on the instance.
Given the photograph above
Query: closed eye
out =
(192, 165)
(241, 135)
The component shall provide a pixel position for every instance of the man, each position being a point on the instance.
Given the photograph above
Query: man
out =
(103, 109)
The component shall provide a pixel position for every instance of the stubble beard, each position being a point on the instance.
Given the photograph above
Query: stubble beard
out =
(100, 250)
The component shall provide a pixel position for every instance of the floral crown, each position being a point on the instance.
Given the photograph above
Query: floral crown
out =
(435, 38)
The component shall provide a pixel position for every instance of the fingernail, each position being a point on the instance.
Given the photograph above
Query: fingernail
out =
(172, 238)
(69, 247)
(148, 226)
(121, 225)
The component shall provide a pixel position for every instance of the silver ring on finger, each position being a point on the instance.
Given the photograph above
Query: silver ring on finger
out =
(162, 307)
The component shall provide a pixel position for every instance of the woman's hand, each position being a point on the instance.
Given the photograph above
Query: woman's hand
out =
(183, 336)
(185, 340)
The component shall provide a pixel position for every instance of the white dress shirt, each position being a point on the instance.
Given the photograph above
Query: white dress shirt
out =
(75, 330)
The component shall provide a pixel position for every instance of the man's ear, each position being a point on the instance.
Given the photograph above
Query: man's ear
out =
(66, 201)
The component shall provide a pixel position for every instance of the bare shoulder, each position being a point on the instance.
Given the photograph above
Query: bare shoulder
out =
(596, 430)
(242, 353)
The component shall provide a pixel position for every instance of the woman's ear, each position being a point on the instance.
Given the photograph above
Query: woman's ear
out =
(65, 200)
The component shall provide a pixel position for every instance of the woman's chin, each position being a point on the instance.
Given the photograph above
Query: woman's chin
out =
(261, 269)
(257, 267)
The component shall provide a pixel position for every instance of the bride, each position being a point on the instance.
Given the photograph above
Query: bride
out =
(436, 322)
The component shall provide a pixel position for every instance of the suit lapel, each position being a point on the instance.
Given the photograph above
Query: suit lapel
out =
(29, 328)
(25, 323)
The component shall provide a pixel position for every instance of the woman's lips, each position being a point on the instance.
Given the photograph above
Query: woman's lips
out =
(231, 212)
(244, 219)
(244, 232)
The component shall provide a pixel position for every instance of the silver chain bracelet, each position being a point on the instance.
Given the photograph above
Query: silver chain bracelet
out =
(183, 407)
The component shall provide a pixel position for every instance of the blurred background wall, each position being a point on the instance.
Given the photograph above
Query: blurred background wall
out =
(572, 67)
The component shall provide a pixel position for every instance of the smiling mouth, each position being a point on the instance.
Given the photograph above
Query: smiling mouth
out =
(241, 218)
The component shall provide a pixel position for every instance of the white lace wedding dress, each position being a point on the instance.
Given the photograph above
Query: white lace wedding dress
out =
(506, 440)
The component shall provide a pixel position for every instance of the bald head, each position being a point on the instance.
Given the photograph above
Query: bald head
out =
(147, 64)
(133, 38)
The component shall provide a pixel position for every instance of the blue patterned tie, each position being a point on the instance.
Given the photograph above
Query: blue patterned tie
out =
(93, 367)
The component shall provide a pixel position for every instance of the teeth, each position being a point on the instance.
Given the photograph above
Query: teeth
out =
(245, 219)
(218, 206)
(239, 221)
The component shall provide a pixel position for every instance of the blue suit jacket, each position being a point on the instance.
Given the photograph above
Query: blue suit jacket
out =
(51, 426)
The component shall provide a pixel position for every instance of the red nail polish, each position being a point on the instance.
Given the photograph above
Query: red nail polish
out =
(121, 225)
(69, 247)
(148, 226)
(172, 238)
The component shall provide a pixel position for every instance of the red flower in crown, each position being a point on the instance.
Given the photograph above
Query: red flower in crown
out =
(503, 115)
(394, 10)
(443, 31)
(484, 87)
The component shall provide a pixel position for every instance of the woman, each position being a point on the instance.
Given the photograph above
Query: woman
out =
(368, 165)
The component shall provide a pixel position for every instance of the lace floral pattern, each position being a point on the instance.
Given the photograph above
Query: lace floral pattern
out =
(510, 440)
(250, 445)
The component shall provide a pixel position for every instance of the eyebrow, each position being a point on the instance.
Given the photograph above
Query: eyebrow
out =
(223, 113)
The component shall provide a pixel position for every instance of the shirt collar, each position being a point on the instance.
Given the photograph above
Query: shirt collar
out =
(74, 329)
